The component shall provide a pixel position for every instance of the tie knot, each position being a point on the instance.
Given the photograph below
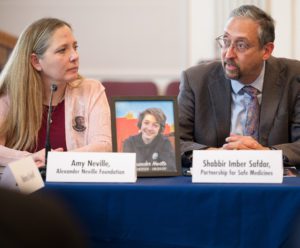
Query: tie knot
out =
(251, 91)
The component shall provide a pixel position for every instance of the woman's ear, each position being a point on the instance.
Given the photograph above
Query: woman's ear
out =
(35, 62)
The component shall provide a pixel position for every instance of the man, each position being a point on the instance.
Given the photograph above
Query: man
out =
(216, 111)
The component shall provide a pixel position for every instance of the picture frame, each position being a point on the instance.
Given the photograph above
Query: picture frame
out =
(148, 126)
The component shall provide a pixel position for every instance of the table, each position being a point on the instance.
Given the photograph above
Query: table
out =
(173, 212)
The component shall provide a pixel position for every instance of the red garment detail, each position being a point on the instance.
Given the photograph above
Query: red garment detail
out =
(57, 128)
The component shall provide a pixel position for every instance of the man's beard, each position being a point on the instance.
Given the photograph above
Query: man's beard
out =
(232, 74)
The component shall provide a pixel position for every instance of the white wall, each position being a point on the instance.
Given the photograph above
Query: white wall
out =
(283, 15)
(208, 17)
(296, 27)
(148, 39)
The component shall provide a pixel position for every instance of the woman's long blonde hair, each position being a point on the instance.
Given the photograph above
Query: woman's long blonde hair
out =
(24, 87)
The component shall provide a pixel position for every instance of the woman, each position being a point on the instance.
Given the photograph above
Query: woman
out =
(46, 53)
(154, 151)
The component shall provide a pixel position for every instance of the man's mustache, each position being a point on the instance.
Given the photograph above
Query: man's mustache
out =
(230, 62)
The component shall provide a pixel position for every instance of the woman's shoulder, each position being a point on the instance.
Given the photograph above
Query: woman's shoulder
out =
(85, 86)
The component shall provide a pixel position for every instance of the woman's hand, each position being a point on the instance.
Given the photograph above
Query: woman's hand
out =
(39, 156)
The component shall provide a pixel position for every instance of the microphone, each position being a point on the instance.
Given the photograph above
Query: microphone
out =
(53, 88)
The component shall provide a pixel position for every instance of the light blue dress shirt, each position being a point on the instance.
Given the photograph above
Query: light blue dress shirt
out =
(240, 101)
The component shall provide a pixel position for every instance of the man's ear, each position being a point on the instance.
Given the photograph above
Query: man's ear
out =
(35, 62)
(268, 49)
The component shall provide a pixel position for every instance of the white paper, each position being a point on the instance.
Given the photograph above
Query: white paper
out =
(91, 167)
(215, 166)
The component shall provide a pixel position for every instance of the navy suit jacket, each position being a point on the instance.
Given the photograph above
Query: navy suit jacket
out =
(205, 107)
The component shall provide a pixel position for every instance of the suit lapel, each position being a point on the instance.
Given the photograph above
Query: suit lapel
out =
(220, 95)
(271, 97)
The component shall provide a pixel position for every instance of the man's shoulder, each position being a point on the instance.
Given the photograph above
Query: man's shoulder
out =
(204, 72)
(207, 66)
(284, 63)
(284, 60)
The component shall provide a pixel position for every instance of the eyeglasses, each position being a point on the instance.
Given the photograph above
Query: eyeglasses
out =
(240, 46)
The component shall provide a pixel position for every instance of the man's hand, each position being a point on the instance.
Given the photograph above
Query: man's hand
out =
(240, 142)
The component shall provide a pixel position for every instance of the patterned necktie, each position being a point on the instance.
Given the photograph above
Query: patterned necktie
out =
(252, 119)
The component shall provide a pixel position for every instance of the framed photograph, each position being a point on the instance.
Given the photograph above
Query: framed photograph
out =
(148, 126)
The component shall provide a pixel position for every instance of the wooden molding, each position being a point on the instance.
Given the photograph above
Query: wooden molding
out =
(7, 40)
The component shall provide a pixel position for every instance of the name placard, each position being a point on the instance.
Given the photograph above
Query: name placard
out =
(91, 167)
(215, 166)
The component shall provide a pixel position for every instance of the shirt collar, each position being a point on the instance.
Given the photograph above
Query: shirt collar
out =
(258, 82)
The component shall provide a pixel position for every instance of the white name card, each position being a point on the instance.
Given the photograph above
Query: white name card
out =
(23, 176)
(91, 167)
(215, 166)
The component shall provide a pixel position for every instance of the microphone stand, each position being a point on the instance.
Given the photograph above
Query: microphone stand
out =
(53, 88)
